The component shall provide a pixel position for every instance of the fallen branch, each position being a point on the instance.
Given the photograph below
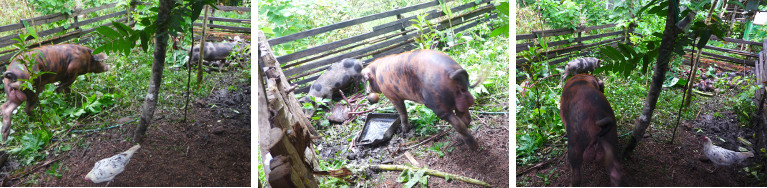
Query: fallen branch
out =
(29, 170)
(429, 172)
(702, 93)
(524, 171)
(429, 139)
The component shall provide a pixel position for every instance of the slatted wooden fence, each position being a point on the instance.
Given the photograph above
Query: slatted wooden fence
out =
(561, 50)
(579, 45)
(303, 67)
(76, 29)
(743, 58)
(214, 25)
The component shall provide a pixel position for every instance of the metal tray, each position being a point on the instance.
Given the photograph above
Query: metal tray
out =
(379, 128)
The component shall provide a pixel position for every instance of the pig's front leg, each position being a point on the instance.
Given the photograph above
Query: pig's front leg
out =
(460, 127)
(399, 104)
(64, 85)
(32, 101)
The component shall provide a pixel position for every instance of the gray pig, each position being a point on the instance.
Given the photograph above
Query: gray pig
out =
(339, 75)
(215, 51)
(579, 66)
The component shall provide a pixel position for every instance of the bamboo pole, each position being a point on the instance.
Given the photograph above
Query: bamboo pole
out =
(429, 172)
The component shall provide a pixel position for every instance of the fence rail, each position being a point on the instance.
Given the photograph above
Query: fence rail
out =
(576, 46)
(304, 66)
(243, 24)
(71, 31)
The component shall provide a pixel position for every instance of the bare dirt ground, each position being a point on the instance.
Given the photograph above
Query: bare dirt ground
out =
(656, 163)
(213, 150)
(488, 164)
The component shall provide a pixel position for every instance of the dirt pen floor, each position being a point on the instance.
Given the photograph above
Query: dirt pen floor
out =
(214, 150)
(658, 164)
(490, 163)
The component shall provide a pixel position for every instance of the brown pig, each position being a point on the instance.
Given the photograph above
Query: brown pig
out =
(591, 127)
(64, 62)
(428, 77)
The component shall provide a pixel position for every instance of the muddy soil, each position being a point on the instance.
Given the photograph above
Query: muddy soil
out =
(489, 163)
(211, 150)
(657, 163)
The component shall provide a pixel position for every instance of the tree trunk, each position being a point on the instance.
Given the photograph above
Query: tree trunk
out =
(158, 65)
(659, 75)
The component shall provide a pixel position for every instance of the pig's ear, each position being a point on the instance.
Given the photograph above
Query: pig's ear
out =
(100, 57)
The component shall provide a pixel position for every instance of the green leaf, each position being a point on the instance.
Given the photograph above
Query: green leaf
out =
(704, 37)
(503, 8)
(108, 32)
(30, 30)
(735, 2)
(500, 30)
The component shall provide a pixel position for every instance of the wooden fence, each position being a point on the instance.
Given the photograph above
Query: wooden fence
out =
(303, 67)
(743, 58)
(75, 29)
(216, 29)
(81, 29)
(561, 50)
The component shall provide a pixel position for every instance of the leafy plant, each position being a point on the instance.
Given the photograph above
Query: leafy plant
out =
(94, 105)
(437, 148)
(412, 178)
(121, 38)
(54, 170)
(31, 144)
(330, 181)
(503, 16)
(426, 37)
(287, 16)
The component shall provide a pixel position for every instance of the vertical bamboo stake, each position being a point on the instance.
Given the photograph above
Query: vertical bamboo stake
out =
(203, 38)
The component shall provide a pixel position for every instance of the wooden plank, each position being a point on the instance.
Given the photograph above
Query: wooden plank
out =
(740, 41)
(233, 28)
(743, 53)
(34, 21)
(727, 58)
(391, 26)
(457, 20)
(89, 10)
(596, 27)
(380, 53)
(333, 45)
(343, 24)
(6, 40)
(525, 47)
(432, 14)
(230, 20)
(305, 88)
(557, 32)
(51, 18)
(526, 36)
(327, 61)
(320, 55)
(231, 8)
(5, 58)
(555, 53)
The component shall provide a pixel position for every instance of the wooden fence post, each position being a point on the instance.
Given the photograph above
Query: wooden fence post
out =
(580, 29)
(291, 143)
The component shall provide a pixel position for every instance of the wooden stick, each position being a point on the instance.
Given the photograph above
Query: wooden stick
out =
(429, 172)
(428, 139)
